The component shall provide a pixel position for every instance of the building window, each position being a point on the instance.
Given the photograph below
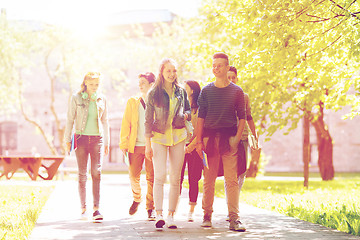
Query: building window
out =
(8, 137)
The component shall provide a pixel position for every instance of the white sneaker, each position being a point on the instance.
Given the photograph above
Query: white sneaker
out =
(84, 216)
(190, 217)
(97, 217)
(170, 222)
(159, 222)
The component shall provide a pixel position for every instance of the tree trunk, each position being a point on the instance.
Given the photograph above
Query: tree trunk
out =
(325, 146)
(47, 138)
(306, 149)
(254, 163)
(59, 129)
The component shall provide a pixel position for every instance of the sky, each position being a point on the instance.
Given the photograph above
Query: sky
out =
(89, 17)
(70, 12)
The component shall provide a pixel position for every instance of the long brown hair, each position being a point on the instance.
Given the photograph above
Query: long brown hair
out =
(159, 82)
(194, 85)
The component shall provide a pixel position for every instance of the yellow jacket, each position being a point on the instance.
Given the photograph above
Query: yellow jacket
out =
(129, 124)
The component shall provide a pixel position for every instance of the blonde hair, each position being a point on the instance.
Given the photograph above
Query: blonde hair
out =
(89, 76)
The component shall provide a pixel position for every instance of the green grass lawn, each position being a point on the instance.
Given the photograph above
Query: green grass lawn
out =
(333, 204)
(20, 207)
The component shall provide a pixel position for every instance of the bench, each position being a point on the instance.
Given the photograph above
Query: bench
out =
(31, 165)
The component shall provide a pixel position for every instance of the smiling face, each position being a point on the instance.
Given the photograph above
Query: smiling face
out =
(92, 85)
(232, 76)
(220, 67)
(169, 73)
(144, 85)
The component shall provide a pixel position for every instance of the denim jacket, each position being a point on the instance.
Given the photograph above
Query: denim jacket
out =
(156, 117)
(78, 112)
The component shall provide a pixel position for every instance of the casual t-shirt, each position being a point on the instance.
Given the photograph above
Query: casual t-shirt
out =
(220, 107)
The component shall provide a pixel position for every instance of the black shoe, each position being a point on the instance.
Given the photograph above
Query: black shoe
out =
(97, 216)
(134, 207)
(151, 215)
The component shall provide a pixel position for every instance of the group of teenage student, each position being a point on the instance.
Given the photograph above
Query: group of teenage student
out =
(155, 127)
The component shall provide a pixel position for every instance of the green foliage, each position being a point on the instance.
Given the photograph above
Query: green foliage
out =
(290, 55)
(332, 204)
(13, 47)
(20, 208)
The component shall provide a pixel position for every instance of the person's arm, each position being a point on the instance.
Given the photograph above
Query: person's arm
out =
(251, 125)
(70, 123)
(199, 136)
(187, 108)
(148, 150)
(202, 112)
(249, 118)
(149, 119)
(105, 122)
(241, 112)
(125, 128)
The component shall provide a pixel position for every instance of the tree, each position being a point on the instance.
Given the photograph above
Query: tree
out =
(65, 58)
(61, 55)
(288, 53)
(13, 48)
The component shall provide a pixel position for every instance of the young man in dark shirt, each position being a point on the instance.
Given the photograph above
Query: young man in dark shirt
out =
(221, 104)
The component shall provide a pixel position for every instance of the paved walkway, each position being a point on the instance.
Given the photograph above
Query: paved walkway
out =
(60, 219)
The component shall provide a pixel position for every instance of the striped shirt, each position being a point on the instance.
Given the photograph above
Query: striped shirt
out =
(220, 107)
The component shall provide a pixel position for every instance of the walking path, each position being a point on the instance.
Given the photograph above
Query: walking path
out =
(60, 218)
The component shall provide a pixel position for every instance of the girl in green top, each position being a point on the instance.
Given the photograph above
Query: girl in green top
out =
(88, 110)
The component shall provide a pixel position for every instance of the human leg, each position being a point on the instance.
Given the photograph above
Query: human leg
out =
(159, 163)
(195, 167)
(245, 147)
(229, 160)
(232, 187)
(82, 156)
(149, 169)
(136, 160)
(210, 175)
(183, 172)
(96, 155)
(243, 175)
(176, 159)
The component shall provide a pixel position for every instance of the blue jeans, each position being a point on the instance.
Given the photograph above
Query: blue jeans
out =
(93, 146)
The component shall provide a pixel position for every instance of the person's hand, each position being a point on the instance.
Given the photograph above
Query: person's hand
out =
(200, 148)
(189, 135)
(185, 116)
(106, 149)
(187, 150)
(256, 146)
(149, 152)
(234, 141)
(124, 151)
(68, 147)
